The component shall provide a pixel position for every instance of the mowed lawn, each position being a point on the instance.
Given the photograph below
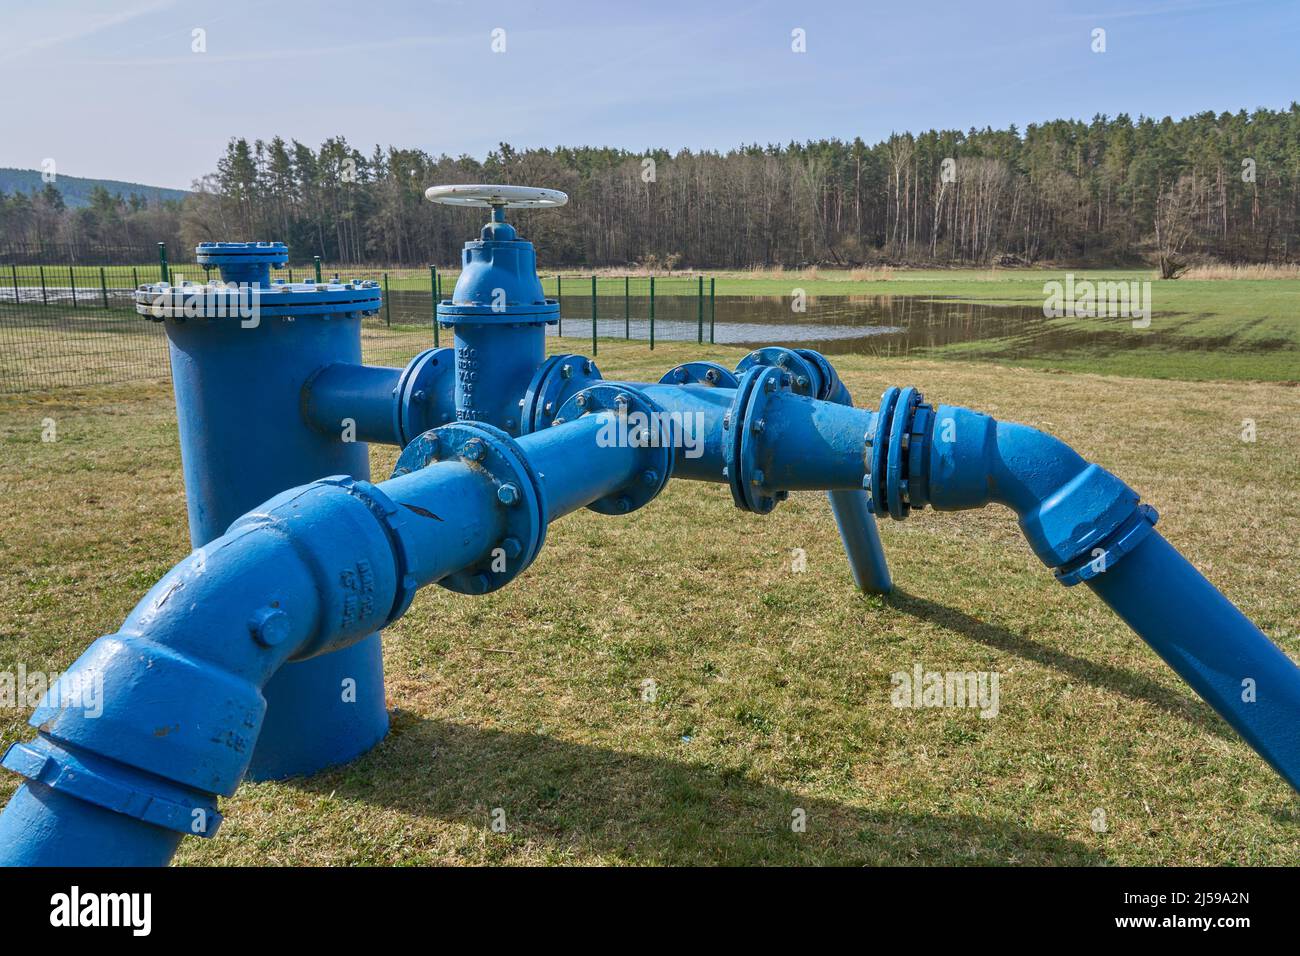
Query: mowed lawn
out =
(772, 685)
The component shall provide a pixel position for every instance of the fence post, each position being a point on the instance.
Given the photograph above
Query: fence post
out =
(593, 315)
(72, 280)
(627, 308)
(699, 312)
(103, 287)
(559, 301)
(13, 270)
(45, 299)
(652, 313)
(433, 286)
(164, 273)
(713, 308)
(388, 303)
(316, 259)
(135, 278)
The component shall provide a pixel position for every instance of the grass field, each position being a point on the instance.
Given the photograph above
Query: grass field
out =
(773, 686)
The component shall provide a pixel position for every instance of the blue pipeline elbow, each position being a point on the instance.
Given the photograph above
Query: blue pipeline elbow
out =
(150, 724)
(1070, 510)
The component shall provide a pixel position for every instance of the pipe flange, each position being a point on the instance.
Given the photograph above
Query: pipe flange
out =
(918, 455)
(218, 300)
(209, 254)
(393, 519)
(43, 762)
(830, 379)
(428, 376)
(805, 375)
(636, 425)
(877, 445)
(519, 492)
(700, 373)
(896, 462)
(744, 445)
(1127, 537)
(558, 379)
(896, 459)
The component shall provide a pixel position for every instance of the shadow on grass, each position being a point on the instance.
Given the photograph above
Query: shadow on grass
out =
(1194, 711)
(640, 809)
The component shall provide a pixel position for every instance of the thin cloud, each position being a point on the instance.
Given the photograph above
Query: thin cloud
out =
(281, 53)
(89, 27)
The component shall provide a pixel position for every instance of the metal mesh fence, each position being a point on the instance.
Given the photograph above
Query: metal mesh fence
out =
(68, 322)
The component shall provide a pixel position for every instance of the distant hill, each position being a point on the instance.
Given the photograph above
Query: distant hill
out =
(76, 189)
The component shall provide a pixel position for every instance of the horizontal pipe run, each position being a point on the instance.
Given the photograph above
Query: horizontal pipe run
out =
(698, 410)
(353, 402)
(580, 461)
(812, 445)
(807, 445)
(451, 517)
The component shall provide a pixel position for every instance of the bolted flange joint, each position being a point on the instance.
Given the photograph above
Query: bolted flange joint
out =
(896, 452)
(700, 373)
(809, 372)
(638, 422)
(744, 444)
(425, 393)
(557, 380)
(518, 492)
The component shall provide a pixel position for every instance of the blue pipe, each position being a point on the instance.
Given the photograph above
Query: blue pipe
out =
(1088, 526)
(312, 571)
(861, 538)
(1211, 645)
(809, 373)
(563, 456)
(258, 654)
(356, 400)
(854, 517)
(705, 406)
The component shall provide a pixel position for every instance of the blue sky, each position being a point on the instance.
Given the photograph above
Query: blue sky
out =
(114, 90)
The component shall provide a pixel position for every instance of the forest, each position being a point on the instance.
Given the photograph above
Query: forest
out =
(1112, 191)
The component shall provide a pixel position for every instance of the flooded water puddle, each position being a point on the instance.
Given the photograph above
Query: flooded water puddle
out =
(888, 325)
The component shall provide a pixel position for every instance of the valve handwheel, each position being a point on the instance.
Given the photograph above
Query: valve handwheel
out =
(509, 197)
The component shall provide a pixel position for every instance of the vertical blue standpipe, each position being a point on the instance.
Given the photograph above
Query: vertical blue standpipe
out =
(243, 441)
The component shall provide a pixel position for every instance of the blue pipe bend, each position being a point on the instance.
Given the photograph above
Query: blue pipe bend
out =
(311, 571)
(1088, 525)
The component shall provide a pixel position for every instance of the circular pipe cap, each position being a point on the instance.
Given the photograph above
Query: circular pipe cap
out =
(511, 197)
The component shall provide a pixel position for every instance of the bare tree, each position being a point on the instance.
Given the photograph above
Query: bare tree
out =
(1174, 220)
